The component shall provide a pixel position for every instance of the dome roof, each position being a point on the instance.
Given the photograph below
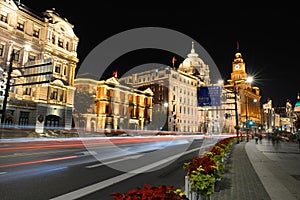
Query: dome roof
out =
(297, 104)
(192, 60)
(195, 66)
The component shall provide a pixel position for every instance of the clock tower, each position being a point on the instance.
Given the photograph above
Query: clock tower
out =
(238, 68)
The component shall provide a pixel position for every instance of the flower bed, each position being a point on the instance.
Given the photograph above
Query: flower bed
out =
(202, 173)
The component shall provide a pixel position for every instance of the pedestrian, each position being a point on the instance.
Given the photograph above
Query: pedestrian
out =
(260, 138)
(298, 139)
(256, 139)
(248, 137)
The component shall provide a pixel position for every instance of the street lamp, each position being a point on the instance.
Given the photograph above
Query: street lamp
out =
(247, 126)
(166, 105)
(166, 110)
(248, 80)
(6, 94)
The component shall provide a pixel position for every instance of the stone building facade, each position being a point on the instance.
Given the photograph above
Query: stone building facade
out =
(42, 79)
(107, 105)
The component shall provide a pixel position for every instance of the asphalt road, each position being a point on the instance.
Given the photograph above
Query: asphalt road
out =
(67, 170)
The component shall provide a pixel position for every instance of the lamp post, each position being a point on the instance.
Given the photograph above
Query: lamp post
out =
(166, 110)
(236, 113)
(247, 126)
(248, 80)
(6, 94)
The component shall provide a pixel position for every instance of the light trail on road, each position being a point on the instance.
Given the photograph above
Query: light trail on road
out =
(37, 161)
(81, 142)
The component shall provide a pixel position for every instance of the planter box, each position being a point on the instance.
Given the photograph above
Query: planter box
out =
(193, 195)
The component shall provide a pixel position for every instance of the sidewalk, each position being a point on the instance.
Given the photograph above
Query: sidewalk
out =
(263, 171)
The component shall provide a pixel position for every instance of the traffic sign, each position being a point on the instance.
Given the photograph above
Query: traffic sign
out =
(209, 96)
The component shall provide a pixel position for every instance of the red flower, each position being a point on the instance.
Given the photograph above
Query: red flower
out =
(207, 165)
(216, 151)
(150, 193)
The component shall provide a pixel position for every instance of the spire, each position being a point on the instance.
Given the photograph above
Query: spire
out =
(193, 47)
(193, 52)
(238, 55)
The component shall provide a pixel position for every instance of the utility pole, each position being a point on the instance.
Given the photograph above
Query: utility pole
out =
(247, 123)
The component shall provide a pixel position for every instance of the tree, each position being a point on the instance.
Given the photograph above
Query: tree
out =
(83, 104)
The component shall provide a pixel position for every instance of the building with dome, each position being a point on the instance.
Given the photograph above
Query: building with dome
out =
(195, 66)
(41, 88)
(297, 113)
(297, 105)
(175, 103)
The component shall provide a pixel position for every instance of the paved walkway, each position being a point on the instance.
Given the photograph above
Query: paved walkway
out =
(263, 171)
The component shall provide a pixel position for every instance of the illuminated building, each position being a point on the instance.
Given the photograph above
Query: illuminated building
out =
(109, 105)
(175, 93)
(297, 104)
(269, 117)
(289, 124)
(297, 113)
(248, 96)
(42, 84)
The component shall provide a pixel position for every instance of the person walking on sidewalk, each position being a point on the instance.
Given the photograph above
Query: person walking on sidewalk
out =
(256, 139)
(298, 139)
(260, 138)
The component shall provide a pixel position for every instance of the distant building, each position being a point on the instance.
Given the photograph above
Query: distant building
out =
(42, 85)
(297, 113)
(297, 105)
(269, 117)
(280, 118)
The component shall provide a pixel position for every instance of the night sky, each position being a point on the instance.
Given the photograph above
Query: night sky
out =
(268, 36)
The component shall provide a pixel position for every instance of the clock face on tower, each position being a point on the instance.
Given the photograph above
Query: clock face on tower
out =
(237, 66)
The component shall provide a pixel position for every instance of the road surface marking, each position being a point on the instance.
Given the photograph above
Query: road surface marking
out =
(103, 184)
(114, 161)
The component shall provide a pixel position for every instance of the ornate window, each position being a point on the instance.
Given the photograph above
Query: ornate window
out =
(27, 91)
(60, 42)
(20, 25)
(3, 17)
(36, 32)
(24, 118)
(1, 49)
